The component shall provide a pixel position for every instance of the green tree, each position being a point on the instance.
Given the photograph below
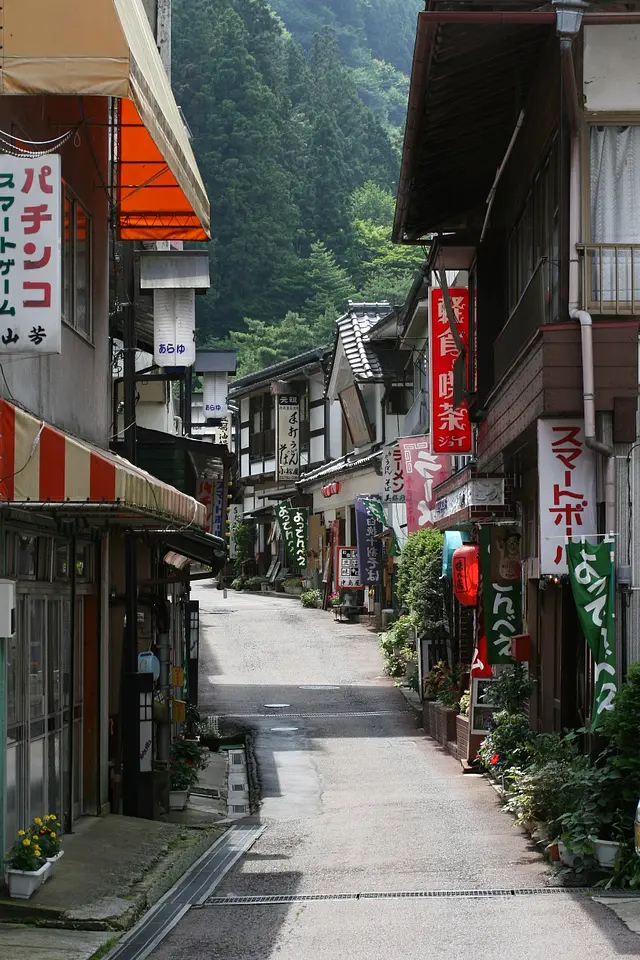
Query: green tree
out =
(419, 575)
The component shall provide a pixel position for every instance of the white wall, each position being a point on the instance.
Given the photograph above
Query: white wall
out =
(612, 68)
(335, 430)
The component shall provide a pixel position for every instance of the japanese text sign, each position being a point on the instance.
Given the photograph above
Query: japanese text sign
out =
(567, 471)
(174, 328)
(234, 516)
(450, 426)
(348, 569)
(30, 255)
(591, 571)
(392, 476)
(217, 508)
(205, 496)
(368, 530)
(501, 599)
(288, 438)
(294, 528)
(422, 472)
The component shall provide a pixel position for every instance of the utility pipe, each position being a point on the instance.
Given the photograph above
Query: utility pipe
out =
(505, 160)
(525, 18)
(575, 312)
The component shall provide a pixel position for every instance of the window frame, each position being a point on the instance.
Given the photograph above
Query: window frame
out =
(69, 251)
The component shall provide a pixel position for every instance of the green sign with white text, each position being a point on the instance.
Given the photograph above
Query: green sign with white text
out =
(591, 573)
(502, 599)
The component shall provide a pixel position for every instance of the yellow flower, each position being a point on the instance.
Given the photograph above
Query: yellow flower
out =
(52, 835)
(38, 821)
(21, 833)
(27, 842)
(51, 816)
(36, 850)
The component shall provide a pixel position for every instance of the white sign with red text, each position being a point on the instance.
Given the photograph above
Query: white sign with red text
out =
(30, 259)
(567, 471)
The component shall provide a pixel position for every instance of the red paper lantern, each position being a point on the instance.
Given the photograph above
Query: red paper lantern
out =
(465, 563)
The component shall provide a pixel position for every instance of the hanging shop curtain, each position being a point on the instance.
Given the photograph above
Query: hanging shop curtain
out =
(107, 48)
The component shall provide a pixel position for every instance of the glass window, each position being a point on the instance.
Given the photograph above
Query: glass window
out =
(61, 564)
(36, 778)
(36, 658)
(76, 269)
(27, 556)
(15, 690)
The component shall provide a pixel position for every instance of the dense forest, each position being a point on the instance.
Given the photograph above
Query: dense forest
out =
(296, 121)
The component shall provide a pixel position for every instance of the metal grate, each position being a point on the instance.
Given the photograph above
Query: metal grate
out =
(233, 901)
(318, 716)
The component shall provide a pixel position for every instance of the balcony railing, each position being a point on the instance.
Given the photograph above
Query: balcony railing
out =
(611, 277)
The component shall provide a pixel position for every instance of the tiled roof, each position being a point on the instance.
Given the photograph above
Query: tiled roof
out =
(354, 329)
(346, 464)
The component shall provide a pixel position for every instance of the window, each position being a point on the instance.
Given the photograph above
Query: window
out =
(76, 265)
(262, 423)
(535, 241)
(615, 212)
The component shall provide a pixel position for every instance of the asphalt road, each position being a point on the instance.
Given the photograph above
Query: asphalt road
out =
(357, 801)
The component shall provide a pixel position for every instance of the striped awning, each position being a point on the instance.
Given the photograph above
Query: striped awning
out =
(40, 465)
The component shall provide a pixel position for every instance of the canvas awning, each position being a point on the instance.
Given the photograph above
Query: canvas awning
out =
(107, 48)
(43, 467)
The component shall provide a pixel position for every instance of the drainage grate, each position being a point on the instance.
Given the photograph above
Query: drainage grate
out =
(233, 901)
(319, 716)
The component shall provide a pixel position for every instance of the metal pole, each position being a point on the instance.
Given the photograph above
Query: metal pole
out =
(129, 344)
(72, 682)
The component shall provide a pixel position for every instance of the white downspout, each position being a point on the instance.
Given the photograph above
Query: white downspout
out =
(576, 313)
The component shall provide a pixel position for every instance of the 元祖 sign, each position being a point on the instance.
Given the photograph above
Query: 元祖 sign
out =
(422, 472)
(30, 255)
(450, 426)
(287, 438)
(567, 484)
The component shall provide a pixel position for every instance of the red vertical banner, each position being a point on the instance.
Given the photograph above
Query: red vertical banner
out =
(450, 426)
(422, 471)
(206, 497)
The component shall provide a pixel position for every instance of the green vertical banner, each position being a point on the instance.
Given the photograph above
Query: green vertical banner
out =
(501, 595)
(591, 572)
(294, 528)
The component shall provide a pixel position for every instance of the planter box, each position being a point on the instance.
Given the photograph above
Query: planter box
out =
(53, 861)
(24, 883)
(445, 724)
(178, 799)
(429, 717)
(293, 591)
(606, 852)
(468, 743)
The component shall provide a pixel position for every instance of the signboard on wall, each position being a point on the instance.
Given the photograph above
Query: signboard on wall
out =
(368, 531)
(217, 508)
(30, 274)
(422, 472)
(355, 415)
(348, 569)
(288, 437)
(205, 496)
(215, 386)
(450, 425)
(235, 515)
(392, 476)
(567, 471)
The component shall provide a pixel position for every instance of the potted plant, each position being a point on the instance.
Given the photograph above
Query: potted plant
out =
(311, 598)
(47, 833)
(26, 867)
(293, 586)
(188, 758)
(334, 598)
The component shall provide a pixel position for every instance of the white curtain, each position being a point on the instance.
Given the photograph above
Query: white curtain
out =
(615, 212)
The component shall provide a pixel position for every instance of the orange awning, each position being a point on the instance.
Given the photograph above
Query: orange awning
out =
(107, 48)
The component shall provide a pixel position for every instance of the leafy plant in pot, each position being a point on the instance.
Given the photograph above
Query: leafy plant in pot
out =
(26, 866)
(188, 758)
(46, 831)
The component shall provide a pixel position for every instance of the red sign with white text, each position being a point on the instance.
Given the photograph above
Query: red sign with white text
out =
(422, 471)
(450, 426)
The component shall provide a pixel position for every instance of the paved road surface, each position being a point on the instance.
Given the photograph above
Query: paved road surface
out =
(364, 804)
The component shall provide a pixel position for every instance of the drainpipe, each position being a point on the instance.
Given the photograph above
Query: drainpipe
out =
(575, 311)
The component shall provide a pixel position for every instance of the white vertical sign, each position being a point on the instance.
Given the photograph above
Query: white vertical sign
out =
(215, 387)
(174, 328)
(392, 476)
(567, 471)
(288, 438)
(30, 255)
(235, 515)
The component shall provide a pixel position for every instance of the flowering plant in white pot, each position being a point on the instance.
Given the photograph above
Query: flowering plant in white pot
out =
(26, 866)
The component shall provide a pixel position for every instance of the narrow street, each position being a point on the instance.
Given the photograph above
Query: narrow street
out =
(356, 800)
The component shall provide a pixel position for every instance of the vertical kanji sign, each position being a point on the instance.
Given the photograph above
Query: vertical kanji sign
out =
(450, 426)
(422, 471)
(288, 438)
(392, 476)
(567, 484)
(368, 531)
(205, 497)
(30, 260)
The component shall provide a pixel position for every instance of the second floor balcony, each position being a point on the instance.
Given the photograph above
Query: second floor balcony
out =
(611, 278)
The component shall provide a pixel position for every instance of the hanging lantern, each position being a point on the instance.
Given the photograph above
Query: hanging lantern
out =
(215, 386)
(466, 573)
(174, 328)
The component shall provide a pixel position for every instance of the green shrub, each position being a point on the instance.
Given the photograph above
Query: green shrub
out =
(292, 583)
(238, 583)
(399, 650)
(465, 704)
(507, 743)
(418, 583)
(511, 689)
(254, 583)
(311, 598)
(244, 537)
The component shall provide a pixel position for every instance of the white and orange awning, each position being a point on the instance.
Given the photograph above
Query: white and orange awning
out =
(106, 48)
(42, 466)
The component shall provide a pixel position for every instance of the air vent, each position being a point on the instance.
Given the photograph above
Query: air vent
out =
(239, 787)
(239, 808)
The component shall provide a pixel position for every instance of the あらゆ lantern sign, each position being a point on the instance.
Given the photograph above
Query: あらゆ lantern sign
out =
(466, 573)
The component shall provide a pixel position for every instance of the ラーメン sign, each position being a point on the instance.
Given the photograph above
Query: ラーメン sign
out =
(422, 472)
(591, 573)
(30, 262)
(294, 529)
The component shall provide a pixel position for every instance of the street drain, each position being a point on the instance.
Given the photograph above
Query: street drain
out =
(233, 901)
(319, 716)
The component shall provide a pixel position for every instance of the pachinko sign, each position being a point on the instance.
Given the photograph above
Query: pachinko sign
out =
(30, 245)
(450, 426)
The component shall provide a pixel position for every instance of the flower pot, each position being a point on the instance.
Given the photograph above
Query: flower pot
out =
(554, 852)
(541, 832)
(24, 883)
(568, 858)
(178, 799)
(529, 826)
(606, 852)
(53, 861)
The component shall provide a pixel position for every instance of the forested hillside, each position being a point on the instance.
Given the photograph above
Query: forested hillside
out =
(299, 163)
